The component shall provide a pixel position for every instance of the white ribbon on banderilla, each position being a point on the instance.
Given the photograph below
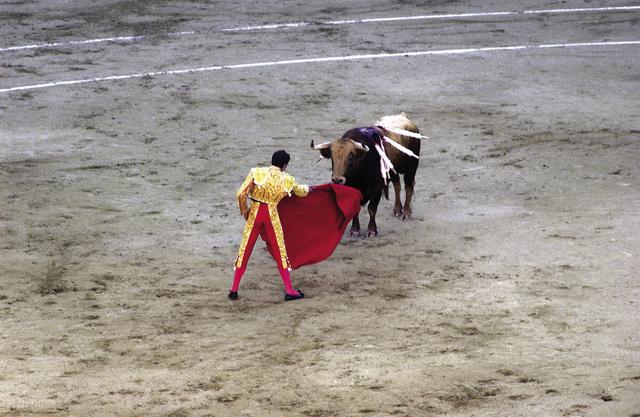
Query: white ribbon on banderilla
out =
(386, 166)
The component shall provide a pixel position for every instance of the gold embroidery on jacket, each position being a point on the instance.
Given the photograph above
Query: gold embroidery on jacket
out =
(253, 212)
(242, 195)
(277, 228)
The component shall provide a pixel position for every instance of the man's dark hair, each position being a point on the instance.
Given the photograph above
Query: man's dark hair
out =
(280, 159)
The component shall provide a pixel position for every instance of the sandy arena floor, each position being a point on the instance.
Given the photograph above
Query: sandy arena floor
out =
(513, 292)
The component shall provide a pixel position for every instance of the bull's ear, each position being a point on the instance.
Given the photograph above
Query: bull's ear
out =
(326, 153)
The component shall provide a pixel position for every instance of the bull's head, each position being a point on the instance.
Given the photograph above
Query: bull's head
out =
(345, 155)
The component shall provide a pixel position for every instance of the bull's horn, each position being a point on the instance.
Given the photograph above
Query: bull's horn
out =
(360, 146)
(324, 145)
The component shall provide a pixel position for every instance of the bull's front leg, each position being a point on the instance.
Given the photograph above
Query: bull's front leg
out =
(373, 209)
(355, 227)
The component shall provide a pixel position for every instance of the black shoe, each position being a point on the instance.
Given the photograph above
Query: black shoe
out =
(233, 295)
(290, 297)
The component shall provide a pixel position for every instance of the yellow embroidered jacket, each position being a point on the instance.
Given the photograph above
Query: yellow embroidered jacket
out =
(266, 185)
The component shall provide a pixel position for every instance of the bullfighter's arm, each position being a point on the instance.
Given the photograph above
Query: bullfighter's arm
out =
(243, 195)
(300, 190)
(291, 186)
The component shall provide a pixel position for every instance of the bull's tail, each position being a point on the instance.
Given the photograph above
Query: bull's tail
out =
(385, 191)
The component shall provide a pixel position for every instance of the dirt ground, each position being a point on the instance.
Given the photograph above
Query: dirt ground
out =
(512, 292)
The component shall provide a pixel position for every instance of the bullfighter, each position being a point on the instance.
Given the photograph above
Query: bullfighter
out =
(265, 187)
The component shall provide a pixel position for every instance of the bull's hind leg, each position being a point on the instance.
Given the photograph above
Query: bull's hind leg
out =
(409, 182)
(373, 208)
(397, 207)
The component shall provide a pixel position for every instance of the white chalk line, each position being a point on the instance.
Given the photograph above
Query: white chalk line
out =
(435, 16)
(89, 41)
(332, 22)
(320, 60)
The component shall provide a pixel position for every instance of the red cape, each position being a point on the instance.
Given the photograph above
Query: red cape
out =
(313, 225)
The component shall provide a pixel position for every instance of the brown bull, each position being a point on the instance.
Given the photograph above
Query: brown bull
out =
(355, 162)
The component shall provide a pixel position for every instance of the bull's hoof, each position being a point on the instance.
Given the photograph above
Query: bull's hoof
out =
(397, 209)
(406, 215)
(354, 233)
(372, 233)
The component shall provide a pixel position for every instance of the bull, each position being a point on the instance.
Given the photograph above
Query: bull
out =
(367, 158)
